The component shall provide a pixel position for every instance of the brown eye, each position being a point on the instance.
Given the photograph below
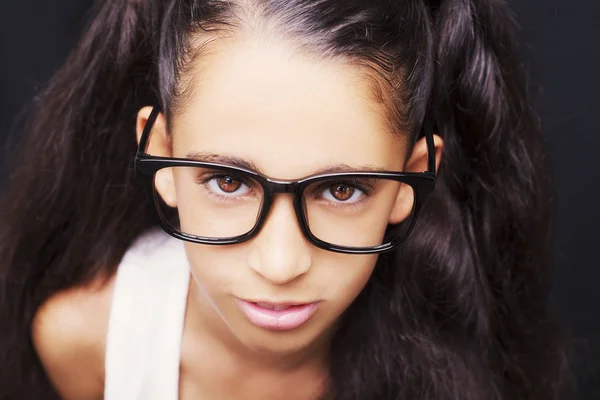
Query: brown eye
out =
(228, 184)
(341, 192)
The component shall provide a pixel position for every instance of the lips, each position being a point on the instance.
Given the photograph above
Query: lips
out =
(272, 306)
(277, 316)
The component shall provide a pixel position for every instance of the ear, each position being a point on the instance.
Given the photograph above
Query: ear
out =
(417, 162)
(159, 145)
(160, 141)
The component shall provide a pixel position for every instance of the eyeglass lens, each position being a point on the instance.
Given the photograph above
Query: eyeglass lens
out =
(219, 204)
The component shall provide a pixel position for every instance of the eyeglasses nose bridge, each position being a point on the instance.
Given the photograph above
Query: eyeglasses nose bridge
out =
(294, 189)
(283, 187)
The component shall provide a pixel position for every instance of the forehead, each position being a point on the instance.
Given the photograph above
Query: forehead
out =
(289, 113)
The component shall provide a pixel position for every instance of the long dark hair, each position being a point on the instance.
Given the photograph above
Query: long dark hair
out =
(460, 311)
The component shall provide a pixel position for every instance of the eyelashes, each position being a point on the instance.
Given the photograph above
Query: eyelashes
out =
(335, 192)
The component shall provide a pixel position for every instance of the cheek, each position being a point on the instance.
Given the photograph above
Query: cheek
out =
(214, 267)
(348, 278)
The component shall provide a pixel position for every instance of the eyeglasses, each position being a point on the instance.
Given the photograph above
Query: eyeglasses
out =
(356, 212)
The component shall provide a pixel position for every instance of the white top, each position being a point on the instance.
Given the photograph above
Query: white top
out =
(146, 320)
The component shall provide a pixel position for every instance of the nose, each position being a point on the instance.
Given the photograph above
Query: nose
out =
(280, 253)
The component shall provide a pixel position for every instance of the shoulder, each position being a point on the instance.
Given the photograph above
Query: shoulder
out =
(69, 334)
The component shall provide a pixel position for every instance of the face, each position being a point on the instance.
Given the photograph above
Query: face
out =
(290, 117)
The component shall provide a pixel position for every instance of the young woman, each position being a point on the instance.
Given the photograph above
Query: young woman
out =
(268, 199)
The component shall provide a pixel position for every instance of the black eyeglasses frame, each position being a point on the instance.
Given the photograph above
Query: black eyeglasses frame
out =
(147, 166)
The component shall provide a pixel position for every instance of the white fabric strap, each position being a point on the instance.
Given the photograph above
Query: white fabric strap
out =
(146, 321)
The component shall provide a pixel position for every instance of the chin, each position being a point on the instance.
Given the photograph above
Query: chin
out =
(279, 343)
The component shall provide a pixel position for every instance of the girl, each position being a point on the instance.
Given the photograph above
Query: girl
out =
(269, 199)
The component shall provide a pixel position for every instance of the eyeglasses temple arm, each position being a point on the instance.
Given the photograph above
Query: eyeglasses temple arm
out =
(143, 146)
(430, 152)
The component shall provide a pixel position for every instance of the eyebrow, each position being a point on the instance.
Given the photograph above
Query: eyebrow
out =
(223, 159)
(252, 166)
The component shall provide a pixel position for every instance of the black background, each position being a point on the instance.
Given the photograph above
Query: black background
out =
(559, 45)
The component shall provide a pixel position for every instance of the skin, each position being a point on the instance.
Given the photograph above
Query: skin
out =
(291, 117)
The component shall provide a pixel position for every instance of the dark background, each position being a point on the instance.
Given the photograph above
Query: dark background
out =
(559, 43)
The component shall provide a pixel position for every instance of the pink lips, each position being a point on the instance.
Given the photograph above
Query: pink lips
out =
(276, 317)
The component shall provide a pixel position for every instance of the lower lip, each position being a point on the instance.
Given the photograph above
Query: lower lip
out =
(280, 320)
